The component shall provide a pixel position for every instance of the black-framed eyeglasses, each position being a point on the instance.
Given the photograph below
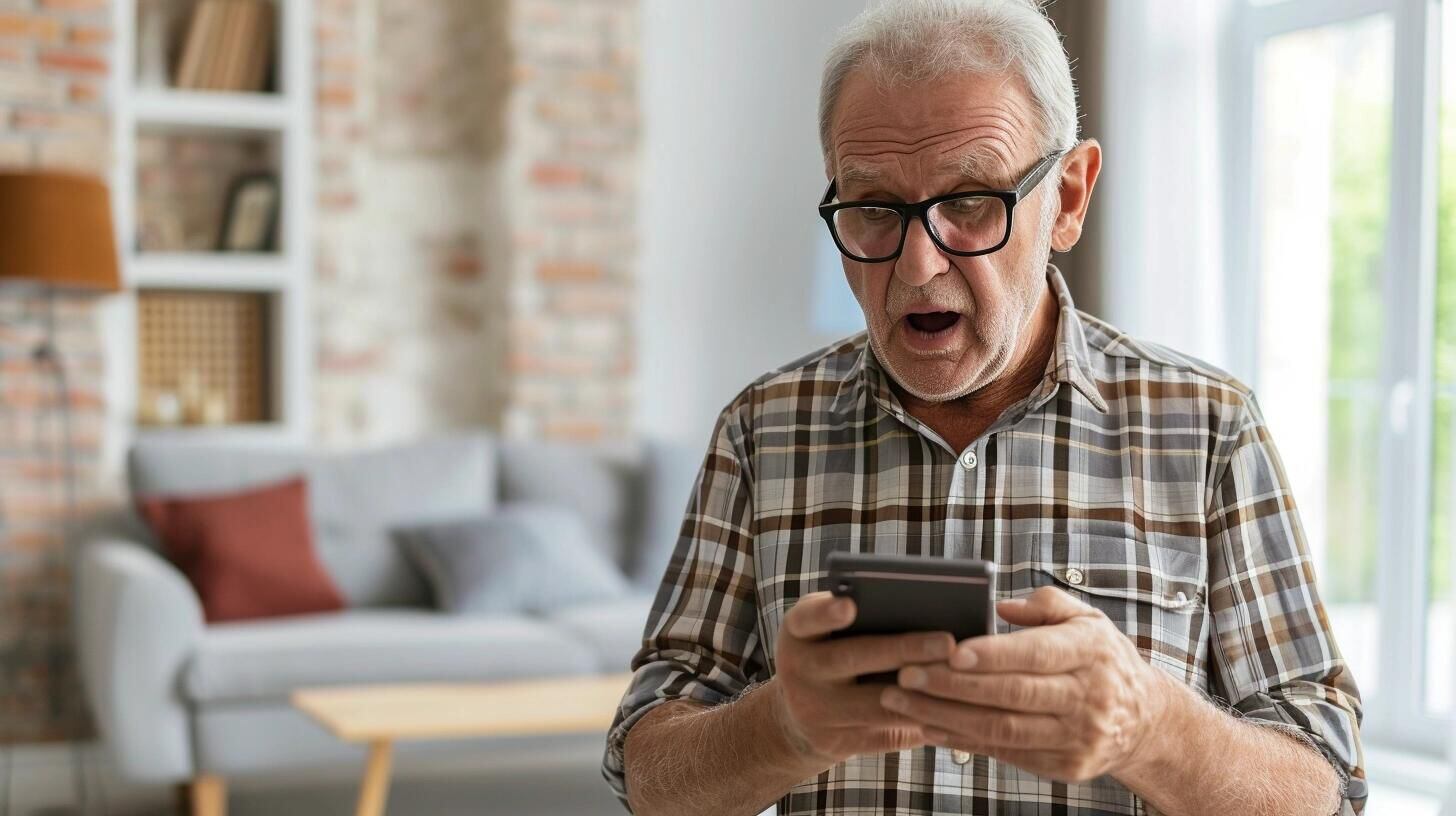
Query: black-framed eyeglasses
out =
(966, 224)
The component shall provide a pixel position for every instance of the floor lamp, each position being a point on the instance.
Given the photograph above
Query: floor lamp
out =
(56, 235)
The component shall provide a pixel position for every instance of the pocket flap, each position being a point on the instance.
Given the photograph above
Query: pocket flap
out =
(1170, 577)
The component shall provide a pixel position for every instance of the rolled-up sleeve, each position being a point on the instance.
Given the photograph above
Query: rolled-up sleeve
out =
(701, 641)
(1275, 659)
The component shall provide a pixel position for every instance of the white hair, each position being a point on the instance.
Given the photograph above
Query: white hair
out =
(905, 41)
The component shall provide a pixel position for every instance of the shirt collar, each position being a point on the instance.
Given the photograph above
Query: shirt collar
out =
(1070, 361)
(1071, 358)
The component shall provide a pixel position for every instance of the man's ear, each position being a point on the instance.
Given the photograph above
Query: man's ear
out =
(1080, 169)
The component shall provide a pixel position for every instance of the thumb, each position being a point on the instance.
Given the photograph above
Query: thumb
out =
(1047, 605)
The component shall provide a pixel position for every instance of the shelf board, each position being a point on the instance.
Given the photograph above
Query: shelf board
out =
(254, 433)
(248, 272)
(211, 109)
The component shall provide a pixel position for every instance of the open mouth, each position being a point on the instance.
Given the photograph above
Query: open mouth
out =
(932, 324)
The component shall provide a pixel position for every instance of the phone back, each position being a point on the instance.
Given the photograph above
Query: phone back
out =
(898, 593)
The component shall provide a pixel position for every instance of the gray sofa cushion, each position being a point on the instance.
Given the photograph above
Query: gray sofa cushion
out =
(355, 498)
(268, 660)
(602, 484)
(524, 557)
(671, 471)
(612, 630)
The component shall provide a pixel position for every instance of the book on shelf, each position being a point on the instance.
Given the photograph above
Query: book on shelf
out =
(255, 74)
(228, 46)
(230, 43)
(194, 49)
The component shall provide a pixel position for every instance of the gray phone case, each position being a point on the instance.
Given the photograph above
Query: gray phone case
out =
(907, 593)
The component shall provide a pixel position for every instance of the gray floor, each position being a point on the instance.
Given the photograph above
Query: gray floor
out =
(43, 781)
(47, 781)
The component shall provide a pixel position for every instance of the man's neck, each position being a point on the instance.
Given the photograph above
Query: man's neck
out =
(960, 421)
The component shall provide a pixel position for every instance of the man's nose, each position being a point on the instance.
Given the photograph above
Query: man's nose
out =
(920, 260)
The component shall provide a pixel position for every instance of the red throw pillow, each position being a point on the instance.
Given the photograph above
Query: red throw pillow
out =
(248, 554)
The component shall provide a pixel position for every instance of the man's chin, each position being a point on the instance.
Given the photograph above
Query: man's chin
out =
(931, 378)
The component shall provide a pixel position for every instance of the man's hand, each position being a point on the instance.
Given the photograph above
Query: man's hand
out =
(825, 714)
(1069, 699)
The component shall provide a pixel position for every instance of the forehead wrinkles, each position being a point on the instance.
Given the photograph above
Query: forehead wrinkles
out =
(990, 133)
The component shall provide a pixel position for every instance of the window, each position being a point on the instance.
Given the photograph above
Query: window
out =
(1344, 311)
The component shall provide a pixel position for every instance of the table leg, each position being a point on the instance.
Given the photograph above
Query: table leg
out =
(375, 790)
(209, 795)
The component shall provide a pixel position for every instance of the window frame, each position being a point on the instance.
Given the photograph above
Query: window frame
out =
(1396, 717)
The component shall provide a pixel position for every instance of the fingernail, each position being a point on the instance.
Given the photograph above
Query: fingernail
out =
(934, 648)
(964, 658)
(893, 700)
(844, 610)
(912, 677)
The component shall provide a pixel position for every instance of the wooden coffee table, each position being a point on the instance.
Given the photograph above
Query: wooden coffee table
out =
(381, 715)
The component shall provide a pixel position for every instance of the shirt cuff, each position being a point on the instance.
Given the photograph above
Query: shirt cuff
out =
(653, 685)
(1268, 711)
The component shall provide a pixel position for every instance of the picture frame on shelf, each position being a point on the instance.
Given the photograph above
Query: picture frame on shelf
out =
(250, 219)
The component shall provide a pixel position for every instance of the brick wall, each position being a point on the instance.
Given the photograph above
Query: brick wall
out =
(571, 181)
(53, 113)
(410, 98)
(474, 250)
(482, 273)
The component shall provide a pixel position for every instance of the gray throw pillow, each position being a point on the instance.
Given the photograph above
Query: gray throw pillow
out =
(524, 557)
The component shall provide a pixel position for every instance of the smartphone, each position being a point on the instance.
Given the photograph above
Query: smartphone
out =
(908, 593)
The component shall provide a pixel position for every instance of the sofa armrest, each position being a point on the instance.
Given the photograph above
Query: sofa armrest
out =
(138, 622)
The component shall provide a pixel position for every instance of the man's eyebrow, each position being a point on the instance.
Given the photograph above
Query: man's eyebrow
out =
(856, 171)
(981, 164)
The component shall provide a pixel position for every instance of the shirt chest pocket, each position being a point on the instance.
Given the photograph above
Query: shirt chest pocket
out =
(1154, 588)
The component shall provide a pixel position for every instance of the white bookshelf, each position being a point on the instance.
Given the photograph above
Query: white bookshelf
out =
(241, 271)
(211, 109)
(285, 119)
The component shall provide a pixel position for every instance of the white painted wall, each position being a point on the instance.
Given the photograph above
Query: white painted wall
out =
(731, 174)
(1161, 192)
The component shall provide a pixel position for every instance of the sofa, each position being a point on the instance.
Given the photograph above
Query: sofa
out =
(176, 699)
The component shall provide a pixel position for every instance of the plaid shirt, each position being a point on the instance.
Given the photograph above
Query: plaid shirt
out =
(1141, 481)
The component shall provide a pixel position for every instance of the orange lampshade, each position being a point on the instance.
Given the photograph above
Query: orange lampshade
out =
(56, 230)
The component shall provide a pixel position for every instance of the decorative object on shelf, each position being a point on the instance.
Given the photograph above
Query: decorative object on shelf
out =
(228, 47)
(250, 221)
(207, 354)
(185, 180)
(214, 408)
(158, 407)
(189, 391)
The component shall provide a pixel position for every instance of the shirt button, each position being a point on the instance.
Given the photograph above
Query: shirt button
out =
(1075, 577)
(968, 460)
(960, 757)
(1180, 599)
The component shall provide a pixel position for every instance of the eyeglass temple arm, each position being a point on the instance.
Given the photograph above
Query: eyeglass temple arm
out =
(830, 191)
(1035, 176)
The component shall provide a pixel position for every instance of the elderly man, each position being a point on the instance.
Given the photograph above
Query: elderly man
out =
(1167, 650)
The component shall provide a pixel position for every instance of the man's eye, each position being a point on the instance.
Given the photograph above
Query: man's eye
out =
(966, 206)
(876, 214)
